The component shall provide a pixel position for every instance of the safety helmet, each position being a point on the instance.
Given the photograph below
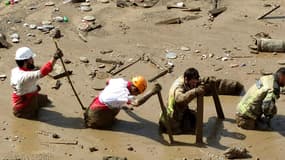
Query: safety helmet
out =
(140, 83)
(24, 53)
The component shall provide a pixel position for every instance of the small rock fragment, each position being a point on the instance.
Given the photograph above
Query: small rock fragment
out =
(66, 61)
(56, 85)
(55, 33)
(104, 1)
(197, 51)
(56, 136)
(32, 26)
(93, 149)
(38, 41)
(225, 58)
(130, 148)
(234, 65)
(281, 62)
(236, 152)
(106, 51)
(84, 59)
(183, 48)
(3, 77)
(49, 4)
(89, 18)
(101, 66)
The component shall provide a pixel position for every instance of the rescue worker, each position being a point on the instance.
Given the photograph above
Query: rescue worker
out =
(184, 90)
(257, 107)
(102, 111)
(26, 99)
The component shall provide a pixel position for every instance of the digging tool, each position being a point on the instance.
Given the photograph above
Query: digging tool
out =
(114, 72)
(162, 73)
(154, 62)
(197, 9)
(174, 6)
(217, 102)
(69, 80)
(156, 90)
(109, 61)
(199, 120)
(267, 13)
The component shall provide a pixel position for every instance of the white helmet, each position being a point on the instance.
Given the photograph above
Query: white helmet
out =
(24, 53)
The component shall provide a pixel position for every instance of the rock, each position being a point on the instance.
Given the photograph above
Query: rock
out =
(56, 85)
(130, 148)
(56, 9)
(274, 53)
(25, 25)
(38, 41)
(85, 27)
(225, 58)
(197, 51)
(3, 41)
(55, 33)
(84, 59)
(93, 149)
(15, 35)
(114, 158)
(85, 4)
(31, 35)
(106, 51)
(218, 69)
(281, 62)
(104, 1)
(58, 19)
(17, 21)
(267, 5)
(211, 55)
(32, 26)
(236, 152)
(46, 22)
(3, 77)
(56, 136)
(183, 48)
(66, 61)
(101, 66)
(49, 4)
(85, 8)
(234, 65)
(89, 18)
(254, 52)
(15, 40)
(171, 55)
(242, 65)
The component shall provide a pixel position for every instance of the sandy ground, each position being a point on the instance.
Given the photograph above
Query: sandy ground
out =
(26, 139)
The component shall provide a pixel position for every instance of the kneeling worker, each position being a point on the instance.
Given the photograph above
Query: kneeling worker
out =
(118, 92)
(257, 107)
(26, 99)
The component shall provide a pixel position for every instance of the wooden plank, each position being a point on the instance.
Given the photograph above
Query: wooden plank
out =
(217, 102)
(199, 120)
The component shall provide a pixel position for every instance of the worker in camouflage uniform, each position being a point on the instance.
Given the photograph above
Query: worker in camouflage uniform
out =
(184, 90)
(257, 107)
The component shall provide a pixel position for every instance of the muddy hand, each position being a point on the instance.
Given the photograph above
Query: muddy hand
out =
(147, 95)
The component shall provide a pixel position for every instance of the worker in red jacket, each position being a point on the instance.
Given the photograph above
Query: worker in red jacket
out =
(118, 92)
(26, 99)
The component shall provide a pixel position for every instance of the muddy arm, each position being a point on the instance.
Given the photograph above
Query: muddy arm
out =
(186, 97)
(147, 95)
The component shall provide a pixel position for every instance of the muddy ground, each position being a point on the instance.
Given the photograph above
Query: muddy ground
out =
(131, 32)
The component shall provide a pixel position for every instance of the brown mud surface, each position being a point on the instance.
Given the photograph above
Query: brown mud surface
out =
(129, 32)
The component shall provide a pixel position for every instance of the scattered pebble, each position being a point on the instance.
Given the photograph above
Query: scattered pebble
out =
(104, 1)
(225, 59)
(38, 41)
(171, 55)
(32, 26)
(3, 77)
(93, 149)
(197, 51)
(274, 53)
(183, 48)
(84, 59)
(101, 66)
(106, 51)
(49, 4)
(130, 148)
(234, 65)
(281, 62)
(56, 136)
(89, 18)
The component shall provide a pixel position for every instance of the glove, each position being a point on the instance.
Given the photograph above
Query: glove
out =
(200, 90)
(58, 54)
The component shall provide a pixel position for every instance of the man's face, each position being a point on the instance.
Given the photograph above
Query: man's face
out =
(134, 90)
(192, 83)
(30, 63)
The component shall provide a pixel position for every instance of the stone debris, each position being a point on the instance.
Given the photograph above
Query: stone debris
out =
(84, 59)
(281, 62)
(93, 149)
(171, 55)
(15, 38)
(114, 158)
(183, 48)
(236, 152)
(104, 1)
(3, 77)
(38, 41)
(56, 84)
(55, 136)
(55, 33)
(106, 51)
(49, 3)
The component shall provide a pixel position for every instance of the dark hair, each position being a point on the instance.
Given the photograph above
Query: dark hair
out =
(281, 71)
(191, 73)
(20, 63)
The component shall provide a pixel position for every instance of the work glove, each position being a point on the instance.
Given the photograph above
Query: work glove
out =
(200, 90)
(58, 54)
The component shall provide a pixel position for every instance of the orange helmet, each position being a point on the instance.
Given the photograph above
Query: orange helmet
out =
(140, 83)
